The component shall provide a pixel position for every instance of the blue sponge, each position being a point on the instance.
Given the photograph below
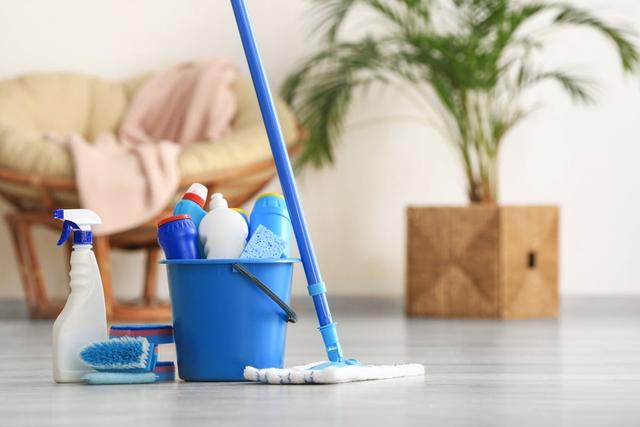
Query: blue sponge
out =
(99, 378)
(264, 244)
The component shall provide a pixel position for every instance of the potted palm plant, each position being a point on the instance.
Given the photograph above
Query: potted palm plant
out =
(472, 61)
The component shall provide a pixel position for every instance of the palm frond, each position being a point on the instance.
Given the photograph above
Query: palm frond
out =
(321, 93)
(407, 14)
(578, 88)
(331, 16)
(627, 52)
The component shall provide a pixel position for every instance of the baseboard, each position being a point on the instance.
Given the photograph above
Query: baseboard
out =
(16, 309)
(12, 309)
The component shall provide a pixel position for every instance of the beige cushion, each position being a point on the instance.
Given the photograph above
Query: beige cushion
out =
(67, 103)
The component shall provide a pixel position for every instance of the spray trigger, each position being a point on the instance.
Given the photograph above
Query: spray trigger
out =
(79, 221)
(67, 226)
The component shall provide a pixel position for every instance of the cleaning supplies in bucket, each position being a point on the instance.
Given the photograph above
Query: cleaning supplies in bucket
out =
(83, 319)
(245, 298)
(220, 234)
(178, 237)
(223, 231)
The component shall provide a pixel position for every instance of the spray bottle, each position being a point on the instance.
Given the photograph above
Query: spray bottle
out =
(83, 319)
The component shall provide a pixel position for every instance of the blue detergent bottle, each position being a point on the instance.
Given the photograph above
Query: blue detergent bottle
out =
(192, 203)
(270, 210)
(178, 238)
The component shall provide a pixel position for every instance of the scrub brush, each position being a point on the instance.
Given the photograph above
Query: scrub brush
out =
(337, 368)
(123, 360)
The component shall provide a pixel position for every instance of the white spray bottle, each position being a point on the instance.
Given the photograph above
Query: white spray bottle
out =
(83, 319)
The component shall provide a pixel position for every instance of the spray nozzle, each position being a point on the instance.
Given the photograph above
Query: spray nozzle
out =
(79, 221)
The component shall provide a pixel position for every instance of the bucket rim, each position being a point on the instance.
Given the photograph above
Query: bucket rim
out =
(230, 261)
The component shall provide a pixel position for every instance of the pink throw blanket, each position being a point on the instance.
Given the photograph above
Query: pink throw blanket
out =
(131, 179)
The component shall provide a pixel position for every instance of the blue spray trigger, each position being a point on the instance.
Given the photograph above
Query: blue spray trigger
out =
(67, 226)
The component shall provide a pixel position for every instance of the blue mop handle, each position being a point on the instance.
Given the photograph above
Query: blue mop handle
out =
(315, 286)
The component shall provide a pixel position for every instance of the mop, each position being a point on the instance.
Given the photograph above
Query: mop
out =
(337, 369)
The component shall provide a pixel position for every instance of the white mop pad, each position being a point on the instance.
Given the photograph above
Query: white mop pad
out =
(331, 375)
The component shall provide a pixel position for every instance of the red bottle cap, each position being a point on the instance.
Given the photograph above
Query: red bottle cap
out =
(173, 218)
(196, 193)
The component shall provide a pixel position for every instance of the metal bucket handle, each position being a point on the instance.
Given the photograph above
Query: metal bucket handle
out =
(292, 317)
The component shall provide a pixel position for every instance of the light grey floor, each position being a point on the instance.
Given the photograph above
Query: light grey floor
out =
(581, 370)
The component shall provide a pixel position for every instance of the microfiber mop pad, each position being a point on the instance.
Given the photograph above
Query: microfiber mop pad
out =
(306, 374)
(263, 244)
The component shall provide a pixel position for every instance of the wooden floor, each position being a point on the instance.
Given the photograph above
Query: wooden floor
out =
(580, 370)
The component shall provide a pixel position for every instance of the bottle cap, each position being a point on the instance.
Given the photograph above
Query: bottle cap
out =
(173, 218)
(218, 201)
(196, 193)
(270, 195)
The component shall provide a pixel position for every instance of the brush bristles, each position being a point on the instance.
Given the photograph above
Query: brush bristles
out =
(117, 353)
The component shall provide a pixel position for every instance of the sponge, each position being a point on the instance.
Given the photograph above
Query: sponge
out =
(264, 244)
(104, 378)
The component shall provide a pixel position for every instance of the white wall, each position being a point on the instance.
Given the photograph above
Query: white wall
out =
(584, 159)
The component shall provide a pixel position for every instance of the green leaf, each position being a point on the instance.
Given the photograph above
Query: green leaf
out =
(627, 52)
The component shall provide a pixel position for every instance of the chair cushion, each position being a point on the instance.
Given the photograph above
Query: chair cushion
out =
(67, 103)
(62, 104)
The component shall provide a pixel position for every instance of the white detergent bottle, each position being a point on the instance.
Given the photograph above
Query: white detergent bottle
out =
(83, 319)
(223, 232)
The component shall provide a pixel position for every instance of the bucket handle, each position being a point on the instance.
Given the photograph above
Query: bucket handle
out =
(292, 317)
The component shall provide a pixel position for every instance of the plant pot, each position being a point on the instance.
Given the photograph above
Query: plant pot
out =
(485, 261)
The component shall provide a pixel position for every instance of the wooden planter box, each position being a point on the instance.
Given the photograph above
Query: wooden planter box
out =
(482, 261)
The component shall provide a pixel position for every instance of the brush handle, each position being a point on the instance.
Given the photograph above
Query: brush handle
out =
(316, 286)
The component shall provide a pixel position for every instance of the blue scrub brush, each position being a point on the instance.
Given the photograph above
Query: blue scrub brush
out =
(354, 371)
(123, 360)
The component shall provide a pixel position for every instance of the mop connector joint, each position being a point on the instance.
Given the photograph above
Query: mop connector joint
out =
(331, 342)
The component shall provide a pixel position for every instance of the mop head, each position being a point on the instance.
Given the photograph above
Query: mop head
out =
(331, 373)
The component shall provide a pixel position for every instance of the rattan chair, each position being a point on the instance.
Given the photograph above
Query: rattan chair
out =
(239, 166)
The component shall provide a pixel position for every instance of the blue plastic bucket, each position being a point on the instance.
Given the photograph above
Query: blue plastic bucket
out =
(222, 321)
